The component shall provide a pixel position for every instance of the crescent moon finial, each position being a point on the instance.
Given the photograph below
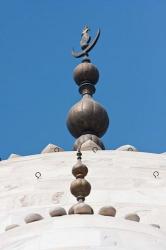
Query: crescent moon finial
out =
(86, 46)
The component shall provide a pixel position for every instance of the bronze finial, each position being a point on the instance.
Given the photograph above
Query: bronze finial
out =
(80, 188)
(86, 46)
(87, 120)
(79, 154)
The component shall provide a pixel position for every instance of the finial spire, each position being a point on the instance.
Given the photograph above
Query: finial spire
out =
(80, 187)
(87, 120)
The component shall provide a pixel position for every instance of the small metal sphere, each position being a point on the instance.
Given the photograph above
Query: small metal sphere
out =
(80, 188)
(87, 117)
(86, 72)
(33, 217)
(133, 217)
(83, 138)
(57, 211)
(82, 208)
(11, 227)
(79, 170)
(107, 211)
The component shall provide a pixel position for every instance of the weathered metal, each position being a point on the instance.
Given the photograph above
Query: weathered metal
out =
(88, 137)
(80, 187)
(85, 45)
(87, 117)
(86, 73)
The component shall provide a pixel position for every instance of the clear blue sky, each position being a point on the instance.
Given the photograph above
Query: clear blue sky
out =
(36, 85)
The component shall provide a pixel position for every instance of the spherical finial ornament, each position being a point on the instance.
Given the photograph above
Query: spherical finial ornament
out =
(79, 170)
(57, 211)
(80, 208)
(80, 188)
(133, 217)
(107, 211)
(83, 208)
(87, 117)
(86, 73)
(33, 217)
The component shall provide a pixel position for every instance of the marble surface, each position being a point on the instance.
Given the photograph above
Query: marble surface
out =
(121, 179)
(83, 232)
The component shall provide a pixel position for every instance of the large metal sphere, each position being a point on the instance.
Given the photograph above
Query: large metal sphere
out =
(86, 72)
(87, 117)
(80, 188)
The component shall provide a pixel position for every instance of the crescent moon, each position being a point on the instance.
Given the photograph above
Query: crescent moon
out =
(88, 48)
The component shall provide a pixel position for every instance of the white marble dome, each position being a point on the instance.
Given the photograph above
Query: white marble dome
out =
(84, 232)
(121, 179)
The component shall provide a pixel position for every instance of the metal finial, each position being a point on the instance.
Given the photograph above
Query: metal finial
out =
(85, 37)
(80, 187)
(86, 46)
(84, 118)
(79, 154)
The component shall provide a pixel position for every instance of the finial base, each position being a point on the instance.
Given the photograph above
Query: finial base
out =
(87, 88)
(86, 59)
(88, 142)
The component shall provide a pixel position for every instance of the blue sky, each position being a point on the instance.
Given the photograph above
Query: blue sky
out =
(36, 84)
